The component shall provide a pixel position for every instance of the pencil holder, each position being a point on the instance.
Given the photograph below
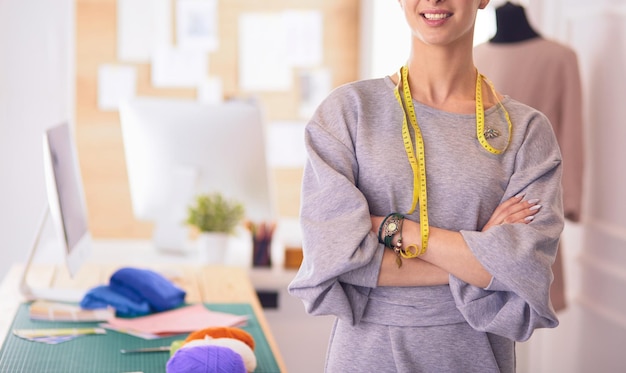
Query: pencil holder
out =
(261, 252)
(262, 234)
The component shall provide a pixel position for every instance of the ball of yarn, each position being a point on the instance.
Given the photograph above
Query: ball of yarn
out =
(239, 347)
(205, 359)
(177, 344)
(223, 332)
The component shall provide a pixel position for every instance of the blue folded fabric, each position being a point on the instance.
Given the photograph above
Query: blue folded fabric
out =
(145, 285)
(103, 296)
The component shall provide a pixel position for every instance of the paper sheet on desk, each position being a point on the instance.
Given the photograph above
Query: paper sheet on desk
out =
(57, 311)
(178, 321)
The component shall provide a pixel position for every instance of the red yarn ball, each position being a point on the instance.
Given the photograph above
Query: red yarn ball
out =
(223, 332)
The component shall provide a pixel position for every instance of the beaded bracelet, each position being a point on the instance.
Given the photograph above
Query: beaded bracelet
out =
(390, 226)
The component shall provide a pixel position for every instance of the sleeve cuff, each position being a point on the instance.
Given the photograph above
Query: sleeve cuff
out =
(496, 285)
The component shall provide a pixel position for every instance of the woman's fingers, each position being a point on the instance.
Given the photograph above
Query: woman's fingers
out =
(500, 213)
(525, 214)
(514, 210)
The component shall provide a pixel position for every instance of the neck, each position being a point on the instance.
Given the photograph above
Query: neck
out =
(512, 25)
(444, 78)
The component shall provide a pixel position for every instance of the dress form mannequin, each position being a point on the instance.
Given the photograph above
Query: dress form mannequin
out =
(543, 74)
(512, 24)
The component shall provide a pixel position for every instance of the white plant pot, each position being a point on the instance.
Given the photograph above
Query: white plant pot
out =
(212, 247)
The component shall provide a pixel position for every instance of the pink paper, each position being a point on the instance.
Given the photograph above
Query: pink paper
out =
(181, 320)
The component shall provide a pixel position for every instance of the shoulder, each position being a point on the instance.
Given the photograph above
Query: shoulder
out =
(557, 48)
(541, 48)
(529, 123)
(523, 114)
(350, 101)
(353, 106)
(359, 91)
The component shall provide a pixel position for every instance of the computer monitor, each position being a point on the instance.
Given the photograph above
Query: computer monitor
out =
(176, 149)
(67, 209)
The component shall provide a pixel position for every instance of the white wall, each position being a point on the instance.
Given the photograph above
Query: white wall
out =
(592, 333)
(384, 33)
(36, 91)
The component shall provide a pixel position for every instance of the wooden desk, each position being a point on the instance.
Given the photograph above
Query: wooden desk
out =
(207, 284)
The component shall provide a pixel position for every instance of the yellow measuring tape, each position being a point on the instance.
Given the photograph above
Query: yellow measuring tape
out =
(418, 165)
(480, 116)
(418, 161)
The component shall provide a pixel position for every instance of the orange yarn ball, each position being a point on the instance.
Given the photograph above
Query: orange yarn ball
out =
(222, 332)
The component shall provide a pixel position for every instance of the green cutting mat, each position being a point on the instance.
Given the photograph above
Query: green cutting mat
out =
(101, 353)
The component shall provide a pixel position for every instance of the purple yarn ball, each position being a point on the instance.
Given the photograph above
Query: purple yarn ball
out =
(206, 359)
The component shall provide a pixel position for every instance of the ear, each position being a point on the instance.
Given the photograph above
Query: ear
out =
(483, 4)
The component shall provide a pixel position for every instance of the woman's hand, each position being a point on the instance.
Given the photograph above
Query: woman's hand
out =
(447, 250)
(413, 272)
(514, 210)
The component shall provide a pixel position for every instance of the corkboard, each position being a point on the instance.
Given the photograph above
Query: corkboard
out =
(98, 134)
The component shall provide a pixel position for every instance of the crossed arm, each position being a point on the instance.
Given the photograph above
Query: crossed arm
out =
(447, 251)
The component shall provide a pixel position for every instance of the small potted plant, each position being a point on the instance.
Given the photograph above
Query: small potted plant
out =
(215, 218)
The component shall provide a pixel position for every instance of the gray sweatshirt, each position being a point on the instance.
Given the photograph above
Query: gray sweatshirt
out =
(357, 166)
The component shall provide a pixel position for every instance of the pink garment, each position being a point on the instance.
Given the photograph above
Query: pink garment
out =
(544, 74)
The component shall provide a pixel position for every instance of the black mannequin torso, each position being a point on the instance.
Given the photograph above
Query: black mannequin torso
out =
(512, 25)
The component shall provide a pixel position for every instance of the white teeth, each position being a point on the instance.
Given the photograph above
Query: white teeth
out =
(435, 16)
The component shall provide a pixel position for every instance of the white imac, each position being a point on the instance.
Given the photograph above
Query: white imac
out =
(176, 149)
(67, 209)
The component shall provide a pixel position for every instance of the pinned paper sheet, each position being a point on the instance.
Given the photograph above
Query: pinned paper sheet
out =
(315, 85)
(178, 321)
(196, 24)
(304, 37)
(141, 26)
(263, 64)
(116, 84)
(272, 44)
(211, 91)
(178, 67)
(285, 144)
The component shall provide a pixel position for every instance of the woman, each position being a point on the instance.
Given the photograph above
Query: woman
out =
(431, 211)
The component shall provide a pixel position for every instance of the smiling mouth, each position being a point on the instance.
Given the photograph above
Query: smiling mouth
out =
(436, 16)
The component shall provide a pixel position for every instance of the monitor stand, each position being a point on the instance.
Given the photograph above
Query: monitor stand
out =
(50, 294)
(171, 231)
